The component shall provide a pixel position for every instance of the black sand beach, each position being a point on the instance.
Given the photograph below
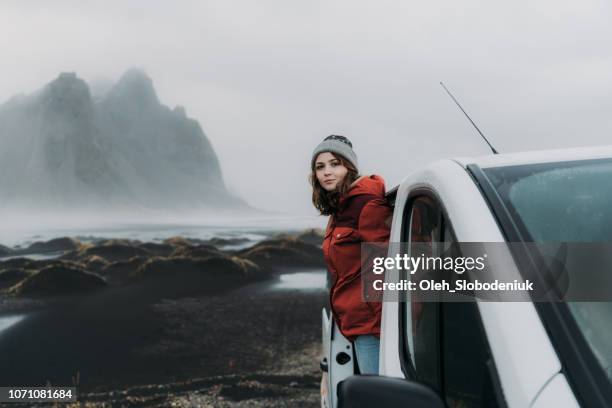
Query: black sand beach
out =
(151, 343)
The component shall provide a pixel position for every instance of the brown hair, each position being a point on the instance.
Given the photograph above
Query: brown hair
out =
(327, 201)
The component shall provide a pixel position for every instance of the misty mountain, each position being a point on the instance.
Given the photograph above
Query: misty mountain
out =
(61, 149)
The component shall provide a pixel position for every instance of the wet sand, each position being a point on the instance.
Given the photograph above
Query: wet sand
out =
(128, 347)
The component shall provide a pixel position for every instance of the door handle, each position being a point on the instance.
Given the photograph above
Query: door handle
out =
(323, 364)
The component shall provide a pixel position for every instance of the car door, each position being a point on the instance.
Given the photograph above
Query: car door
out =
(338, 361)
(443, 344)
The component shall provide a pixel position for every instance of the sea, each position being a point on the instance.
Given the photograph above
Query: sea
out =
(254, 229)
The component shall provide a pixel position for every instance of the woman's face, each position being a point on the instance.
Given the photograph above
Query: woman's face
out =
(329, 170)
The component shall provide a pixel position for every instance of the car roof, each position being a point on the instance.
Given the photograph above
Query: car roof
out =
(537, 156)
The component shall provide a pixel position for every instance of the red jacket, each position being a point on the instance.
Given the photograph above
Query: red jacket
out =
(363, 216)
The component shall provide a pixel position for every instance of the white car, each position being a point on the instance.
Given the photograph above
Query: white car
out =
(491, 354)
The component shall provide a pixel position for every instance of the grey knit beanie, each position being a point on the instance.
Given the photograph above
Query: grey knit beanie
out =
(336, 144)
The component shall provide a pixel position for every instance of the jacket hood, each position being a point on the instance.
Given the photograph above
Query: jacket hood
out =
(373, 185)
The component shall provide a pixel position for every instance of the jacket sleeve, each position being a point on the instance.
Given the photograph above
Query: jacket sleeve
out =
(375, 221)
(374, 226)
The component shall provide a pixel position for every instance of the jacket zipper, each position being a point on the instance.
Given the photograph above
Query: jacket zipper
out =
(335, 275)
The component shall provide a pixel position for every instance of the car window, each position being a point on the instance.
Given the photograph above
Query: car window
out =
(540, 195)
(423, 318)
(446, 343)
(467, 366)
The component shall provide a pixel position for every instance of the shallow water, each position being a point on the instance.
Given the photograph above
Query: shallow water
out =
(8, 321)
(254, 229)
(34, 257)
(304, 280)
(301, 280)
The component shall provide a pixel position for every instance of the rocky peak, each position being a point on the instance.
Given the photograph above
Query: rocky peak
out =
(121, 151)
(67, 91)
(180, 111)
(134, 88)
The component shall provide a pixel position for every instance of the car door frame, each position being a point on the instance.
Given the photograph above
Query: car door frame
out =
(473, 221)
(405, 357)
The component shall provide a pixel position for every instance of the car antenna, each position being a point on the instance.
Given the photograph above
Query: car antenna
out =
(468, 116)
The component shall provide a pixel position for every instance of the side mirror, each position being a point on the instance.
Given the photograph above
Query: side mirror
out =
(377, 391)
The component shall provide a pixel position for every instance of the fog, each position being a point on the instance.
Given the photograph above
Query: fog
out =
(267, 80)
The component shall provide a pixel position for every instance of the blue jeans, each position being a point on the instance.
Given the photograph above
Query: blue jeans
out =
(366, 348)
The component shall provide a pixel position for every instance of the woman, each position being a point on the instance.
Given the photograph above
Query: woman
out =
(358, 213)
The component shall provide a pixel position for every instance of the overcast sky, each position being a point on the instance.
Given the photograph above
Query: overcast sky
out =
(268, 79)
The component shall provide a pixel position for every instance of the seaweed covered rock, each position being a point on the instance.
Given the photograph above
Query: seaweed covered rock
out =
(58, 280)
(10, 277)
(197, 251)
(218, 267)
(157, 249)
(36, 264)
(63, 244)
(284, 252)
(95, 263)
(111, 252)
(119, 241)
(222, 242)
(177, 241)
(189, 276)
(118, 272)
(5, 251)
(15, 263)
(313, 236)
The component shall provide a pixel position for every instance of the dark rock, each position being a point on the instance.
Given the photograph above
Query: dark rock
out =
(125, 242)
(95, 263)
(190, 276)
(224, 266)
(118, 272)
(282, 252)
(5, 251)
(199, 251)
(10, 277)
(58, 280)
(157, 249)
(111, 252)
(45, 263)
(219, 242)
(313, 236)
(54, 245)
(177, 241)
(32, 264)
(15, 263)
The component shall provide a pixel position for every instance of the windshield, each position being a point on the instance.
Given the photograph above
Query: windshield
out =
(565, 202)
(559, 202)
